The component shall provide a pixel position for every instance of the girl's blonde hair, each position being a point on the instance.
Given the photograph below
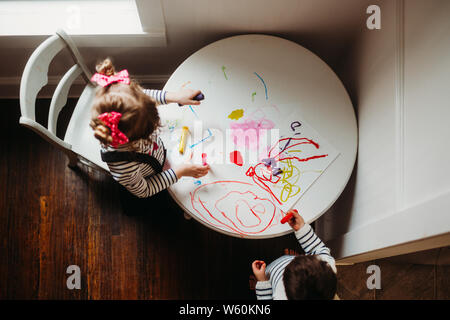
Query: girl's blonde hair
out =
(139, 114)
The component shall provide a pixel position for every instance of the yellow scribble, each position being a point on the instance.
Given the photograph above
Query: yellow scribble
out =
(290, 176)
(236, 114)
(287, 185)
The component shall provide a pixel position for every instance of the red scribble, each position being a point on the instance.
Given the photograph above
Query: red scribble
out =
(247, 202)
(236, 158)
(263, 177)
(227, 211)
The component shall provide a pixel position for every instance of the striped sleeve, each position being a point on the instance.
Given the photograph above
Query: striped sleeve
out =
(158, 95)
(131, 178)
(312, 245)
(264, 290)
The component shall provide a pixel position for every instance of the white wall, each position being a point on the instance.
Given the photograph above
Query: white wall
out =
(427, 101)
(399, 194)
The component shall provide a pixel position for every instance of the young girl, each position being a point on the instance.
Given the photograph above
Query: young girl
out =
(125, 120)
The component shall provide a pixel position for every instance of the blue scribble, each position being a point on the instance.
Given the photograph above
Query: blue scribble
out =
(265, 87)
(197, 183)
(197, 143)
(209, 131)
(195, 113)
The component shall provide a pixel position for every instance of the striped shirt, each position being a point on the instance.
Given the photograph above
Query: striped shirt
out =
(140, 178)
(312, 245)
(158, 95)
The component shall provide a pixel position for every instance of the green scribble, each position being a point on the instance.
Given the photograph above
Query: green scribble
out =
(223, 70)
(253, 96)
(172, 124)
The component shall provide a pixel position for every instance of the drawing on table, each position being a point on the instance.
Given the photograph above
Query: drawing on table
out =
(237, 206)
(251, 205)
(301, 160)
(244, 198)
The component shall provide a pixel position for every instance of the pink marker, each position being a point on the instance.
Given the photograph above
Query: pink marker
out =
(204, 159)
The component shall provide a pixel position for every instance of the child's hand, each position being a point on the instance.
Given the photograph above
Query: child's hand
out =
(296, 222)
(191, 170)
(183, 96)
(259, 270)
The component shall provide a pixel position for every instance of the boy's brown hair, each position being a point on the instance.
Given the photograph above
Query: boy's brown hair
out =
(139, 114)
(308, 278)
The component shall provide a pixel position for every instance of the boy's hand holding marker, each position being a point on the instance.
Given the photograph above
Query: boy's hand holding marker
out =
(294, 219)
(296, 222)
(259, 270)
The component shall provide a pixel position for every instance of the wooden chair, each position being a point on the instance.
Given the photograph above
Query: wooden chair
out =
(79, 143)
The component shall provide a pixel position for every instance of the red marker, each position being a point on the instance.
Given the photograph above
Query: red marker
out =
(288, 217)
(204, 159)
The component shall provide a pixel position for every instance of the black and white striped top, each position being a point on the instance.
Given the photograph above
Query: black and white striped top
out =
(312, 245)
(158, 95)
(140, 178)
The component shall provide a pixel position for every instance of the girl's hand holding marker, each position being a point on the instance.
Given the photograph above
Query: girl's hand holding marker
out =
(191, 169)
(185, 96)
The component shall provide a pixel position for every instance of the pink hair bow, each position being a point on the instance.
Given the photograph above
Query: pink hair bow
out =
(104, 80)
(111, 120)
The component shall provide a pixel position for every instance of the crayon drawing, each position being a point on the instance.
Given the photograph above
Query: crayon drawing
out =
(243, 198)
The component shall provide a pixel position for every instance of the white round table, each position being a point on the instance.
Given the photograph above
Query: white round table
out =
(260, 82)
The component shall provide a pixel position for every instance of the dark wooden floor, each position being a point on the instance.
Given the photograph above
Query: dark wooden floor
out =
(52, 216)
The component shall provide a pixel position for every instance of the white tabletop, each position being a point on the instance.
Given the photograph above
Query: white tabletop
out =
(267, 78)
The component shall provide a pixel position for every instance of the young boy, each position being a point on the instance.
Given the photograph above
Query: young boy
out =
(304, 277)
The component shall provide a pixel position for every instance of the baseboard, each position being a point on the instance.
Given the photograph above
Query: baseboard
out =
(421, 227)
(10, 86)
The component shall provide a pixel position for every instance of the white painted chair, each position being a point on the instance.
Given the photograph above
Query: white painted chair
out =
(79, 143)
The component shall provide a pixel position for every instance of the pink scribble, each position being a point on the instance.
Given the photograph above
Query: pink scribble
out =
(247, 133)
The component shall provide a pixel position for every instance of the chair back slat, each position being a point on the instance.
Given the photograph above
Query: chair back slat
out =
(35, 74)
(78, 59)
(59, 98)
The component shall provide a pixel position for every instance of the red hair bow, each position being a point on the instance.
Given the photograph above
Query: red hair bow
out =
(111, 120)
(104, 80)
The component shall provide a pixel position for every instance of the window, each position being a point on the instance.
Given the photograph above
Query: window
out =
(82, 18)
